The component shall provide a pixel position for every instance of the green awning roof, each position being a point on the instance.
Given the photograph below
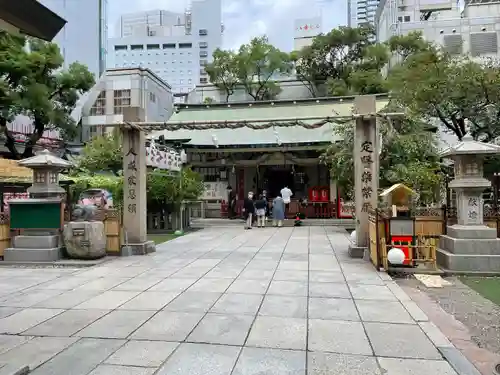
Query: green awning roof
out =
(307, 111)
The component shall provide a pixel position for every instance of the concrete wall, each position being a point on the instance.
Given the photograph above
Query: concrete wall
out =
(291, 89)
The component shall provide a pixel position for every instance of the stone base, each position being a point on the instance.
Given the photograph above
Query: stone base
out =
(32, 255)
(142, 248)
(468, 263)
(85, 239)
(471, 232)
(36, 242)
(470, 246)
(356, 251)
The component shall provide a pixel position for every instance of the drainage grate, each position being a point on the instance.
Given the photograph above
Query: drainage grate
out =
(497, 369)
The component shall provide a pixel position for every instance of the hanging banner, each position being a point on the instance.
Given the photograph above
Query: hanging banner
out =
(163, 159)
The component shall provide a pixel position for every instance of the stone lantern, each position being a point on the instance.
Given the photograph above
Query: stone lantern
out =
(46, 167)
(469, 245)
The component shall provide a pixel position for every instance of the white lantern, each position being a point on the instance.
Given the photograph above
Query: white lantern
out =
(353, 237)
(396, 256)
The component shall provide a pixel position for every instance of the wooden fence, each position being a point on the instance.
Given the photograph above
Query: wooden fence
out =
(429, 225)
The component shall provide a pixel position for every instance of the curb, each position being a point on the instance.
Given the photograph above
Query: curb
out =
(458, 361)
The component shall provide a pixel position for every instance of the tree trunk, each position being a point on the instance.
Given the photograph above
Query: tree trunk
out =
(10, 142)
(33, 139)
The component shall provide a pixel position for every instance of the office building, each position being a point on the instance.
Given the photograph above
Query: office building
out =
(305, 31)
(175, 46)
(121, 88)
(471, 28)
(84, 37)
(361, 12)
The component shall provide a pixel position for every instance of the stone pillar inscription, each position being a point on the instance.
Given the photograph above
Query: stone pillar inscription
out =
(366, 164)
(134, 190)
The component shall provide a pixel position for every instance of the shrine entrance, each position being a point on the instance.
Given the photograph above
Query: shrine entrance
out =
(275, 178)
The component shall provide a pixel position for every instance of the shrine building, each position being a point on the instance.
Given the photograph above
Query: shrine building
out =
(284, 151)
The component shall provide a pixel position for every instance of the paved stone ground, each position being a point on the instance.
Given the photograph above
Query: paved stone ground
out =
(283, 301)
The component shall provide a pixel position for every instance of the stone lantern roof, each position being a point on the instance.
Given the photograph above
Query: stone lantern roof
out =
(468, 146)
(45, 159)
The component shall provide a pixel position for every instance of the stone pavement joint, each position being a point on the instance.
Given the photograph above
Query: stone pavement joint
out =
(221, 301)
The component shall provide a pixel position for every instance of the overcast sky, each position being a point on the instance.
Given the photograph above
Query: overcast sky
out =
(244, 19)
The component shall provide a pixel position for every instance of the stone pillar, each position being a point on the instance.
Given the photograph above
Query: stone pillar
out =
(366, 168)
(134, 191)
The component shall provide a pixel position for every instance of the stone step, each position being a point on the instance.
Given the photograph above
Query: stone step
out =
(32, 255)
(35, 242)
(462, 263)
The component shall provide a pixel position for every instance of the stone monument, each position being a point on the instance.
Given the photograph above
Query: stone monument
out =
(39, 218)
(366, 167)
(469, 245)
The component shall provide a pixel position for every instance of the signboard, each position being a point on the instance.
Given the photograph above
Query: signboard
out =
(163, 159)
(215, 191)
(307, 27)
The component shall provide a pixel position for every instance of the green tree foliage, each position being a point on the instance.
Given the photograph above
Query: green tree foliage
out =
(102, 153)
(344, 61)
(32, 83)
(409, 154)
(105, 154)
(456, 92)
(254, 67)
(223, 71)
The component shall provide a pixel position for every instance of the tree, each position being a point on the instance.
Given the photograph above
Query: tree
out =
(457, 92)
(257, 63)
(103, 153)
(223, 71)
(33, 84)
(409, 154)
(346, 60)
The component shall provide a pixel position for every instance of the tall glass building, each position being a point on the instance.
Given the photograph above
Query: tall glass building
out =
(84, 37)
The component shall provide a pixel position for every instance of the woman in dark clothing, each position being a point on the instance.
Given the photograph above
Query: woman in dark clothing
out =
(249, 210)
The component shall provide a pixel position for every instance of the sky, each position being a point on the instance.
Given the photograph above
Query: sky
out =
(245, 19)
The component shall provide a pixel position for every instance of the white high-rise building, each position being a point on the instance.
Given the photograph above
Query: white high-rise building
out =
(305, 31)
(361, 12)
(175, 46)
(470, 29)
(84, 37)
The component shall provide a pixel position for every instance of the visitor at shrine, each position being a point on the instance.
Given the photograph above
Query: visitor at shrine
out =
(231, 202)
(286, 194)
(248, 210)
(278, 211)
(260, 211)
(264, 195)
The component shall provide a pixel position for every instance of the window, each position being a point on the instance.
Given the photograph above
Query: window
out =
(203, 71)
(96, 131)
(185, 45)
(203, 32)
(136, 47)
(203, 44)
(99, 107)
(203, 80)
(203, 54)
(151, 32)
(153, 46)
(152, 97)
(168, 45)
(203, 62)
(400, 19)
(121, 100)
(407, 18)
(121, 48)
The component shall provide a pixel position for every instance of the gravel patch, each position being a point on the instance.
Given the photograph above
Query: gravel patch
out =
(478, 314)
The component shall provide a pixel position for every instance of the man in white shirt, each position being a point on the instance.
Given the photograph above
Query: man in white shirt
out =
(286, 194)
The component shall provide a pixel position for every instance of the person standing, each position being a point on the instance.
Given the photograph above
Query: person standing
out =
(286, 194)
(249, 210)
(264, 195)
(260, 211)
(278, 211)
(231, 202)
